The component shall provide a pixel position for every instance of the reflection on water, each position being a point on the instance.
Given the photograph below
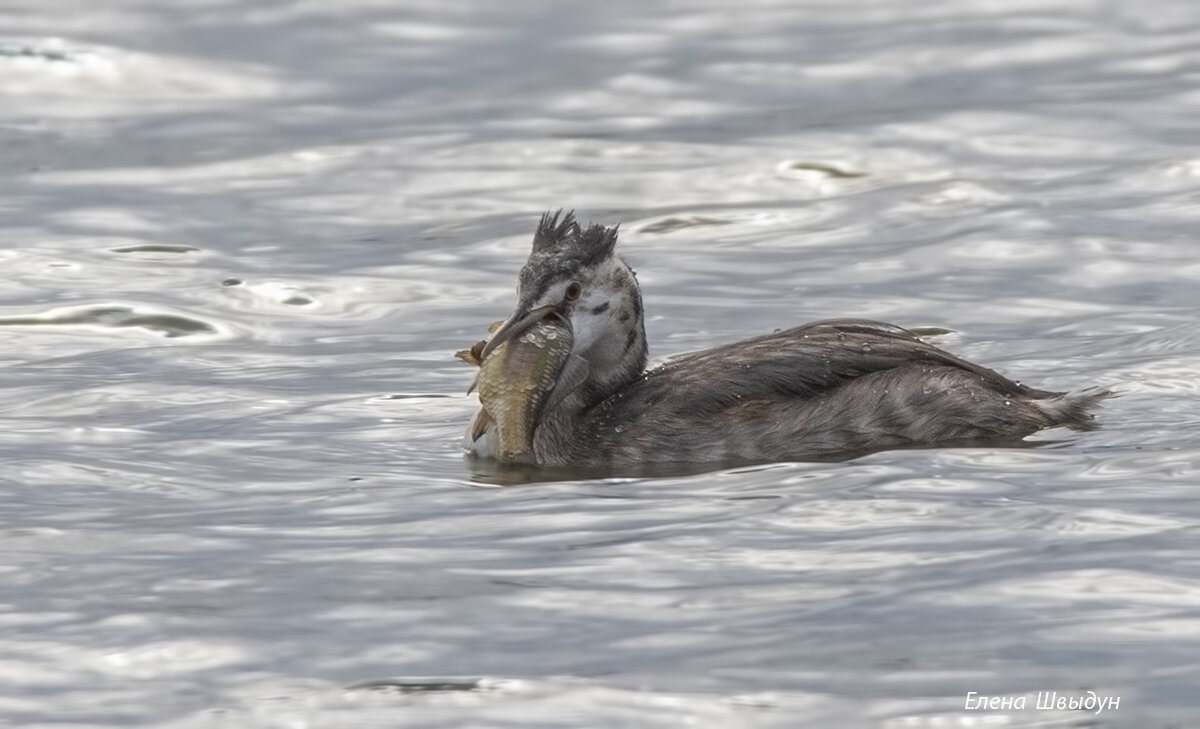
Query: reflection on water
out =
(511, 474)
(168, 325)
(242, 244)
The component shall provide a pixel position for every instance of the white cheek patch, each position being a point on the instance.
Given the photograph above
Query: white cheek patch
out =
(592, 316)
(586, 329)
(594, 306)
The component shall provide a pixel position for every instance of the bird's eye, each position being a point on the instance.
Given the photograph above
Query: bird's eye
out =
(573, 291)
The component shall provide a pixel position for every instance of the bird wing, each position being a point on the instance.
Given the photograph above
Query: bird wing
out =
(802, 362)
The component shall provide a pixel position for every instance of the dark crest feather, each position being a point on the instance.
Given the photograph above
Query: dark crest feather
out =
(596, 241)
(559, 235)
(551, 231)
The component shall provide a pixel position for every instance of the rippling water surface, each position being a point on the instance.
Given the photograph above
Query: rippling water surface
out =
(241, 242)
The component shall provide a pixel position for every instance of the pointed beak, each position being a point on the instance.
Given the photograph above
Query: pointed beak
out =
(517, 324)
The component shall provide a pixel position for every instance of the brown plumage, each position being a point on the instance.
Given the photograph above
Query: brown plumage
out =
(824, 389)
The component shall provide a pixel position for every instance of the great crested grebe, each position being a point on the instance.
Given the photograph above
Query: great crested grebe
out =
(819, 390)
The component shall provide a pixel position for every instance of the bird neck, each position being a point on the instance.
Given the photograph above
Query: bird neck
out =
(619, 357)
(613, 369)
(615, 360)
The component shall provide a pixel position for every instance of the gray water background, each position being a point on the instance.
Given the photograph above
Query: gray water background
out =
(241, 241)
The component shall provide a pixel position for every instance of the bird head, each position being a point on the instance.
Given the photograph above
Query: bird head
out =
(573, 273)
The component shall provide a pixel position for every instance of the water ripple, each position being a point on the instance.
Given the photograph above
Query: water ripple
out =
(243, 241)
(118, 316)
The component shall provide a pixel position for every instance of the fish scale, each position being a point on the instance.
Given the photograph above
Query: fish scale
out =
(515, 381)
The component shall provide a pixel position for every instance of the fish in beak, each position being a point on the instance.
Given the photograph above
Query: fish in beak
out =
(519, 367)
(516, 325)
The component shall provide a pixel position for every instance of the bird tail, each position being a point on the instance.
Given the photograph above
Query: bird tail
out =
(1073, 411)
